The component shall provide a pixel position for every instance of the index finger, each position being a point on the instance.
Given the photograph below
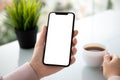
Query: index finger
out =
(107, 58)
(75, 33)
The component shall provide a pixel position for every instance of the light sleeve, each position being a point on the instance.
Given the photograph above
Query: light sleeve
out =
(1, 78)
(25, 72)
(114, 78)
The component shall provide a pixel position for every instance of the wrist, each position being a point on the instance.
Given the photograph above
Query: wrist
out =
(35, 69)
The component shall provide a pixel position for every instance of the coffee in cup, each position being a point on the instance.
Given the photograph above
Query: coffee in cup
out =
(94, 49)
(93, 54)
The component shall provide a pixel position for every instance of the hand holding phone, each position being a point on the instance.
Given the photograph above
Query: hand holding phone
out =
(36, 61)
(58, 42)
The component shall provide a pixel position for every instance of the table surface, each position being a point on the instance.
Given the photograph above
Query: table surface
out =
(101, 28)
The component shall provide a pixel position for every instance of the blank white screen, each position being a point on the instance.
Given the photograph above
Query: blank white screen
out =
(58, 44)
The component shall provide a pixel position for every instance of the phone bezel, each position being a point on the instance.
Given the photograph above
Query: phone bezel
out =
(59, 13)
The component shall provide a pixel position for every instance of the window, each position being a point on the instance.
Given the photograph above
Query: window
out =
(82, 8)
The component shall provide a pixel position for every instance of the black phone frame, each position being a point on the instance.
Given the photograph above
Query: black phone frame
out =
(59, 13)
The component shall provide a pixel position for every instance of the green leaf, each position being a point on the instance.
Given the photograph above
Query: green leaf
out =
(23, 14)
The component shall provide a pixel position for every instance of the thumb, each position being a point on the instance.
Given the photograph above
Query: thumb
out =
(107, 58)
(41, 39)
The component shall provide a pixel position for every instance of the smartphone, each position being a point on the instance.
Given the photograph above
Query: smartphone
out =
(58, 42)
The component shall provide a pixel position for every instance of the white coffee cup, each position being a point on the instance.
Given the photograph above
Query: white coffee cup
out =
(93, 54)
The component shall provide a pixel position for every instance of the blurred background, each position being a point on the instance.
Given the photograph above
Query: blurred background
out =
(82, 8)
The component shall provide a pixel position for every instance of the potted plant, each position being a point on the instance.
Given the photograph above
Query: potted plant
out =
(23, 15)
